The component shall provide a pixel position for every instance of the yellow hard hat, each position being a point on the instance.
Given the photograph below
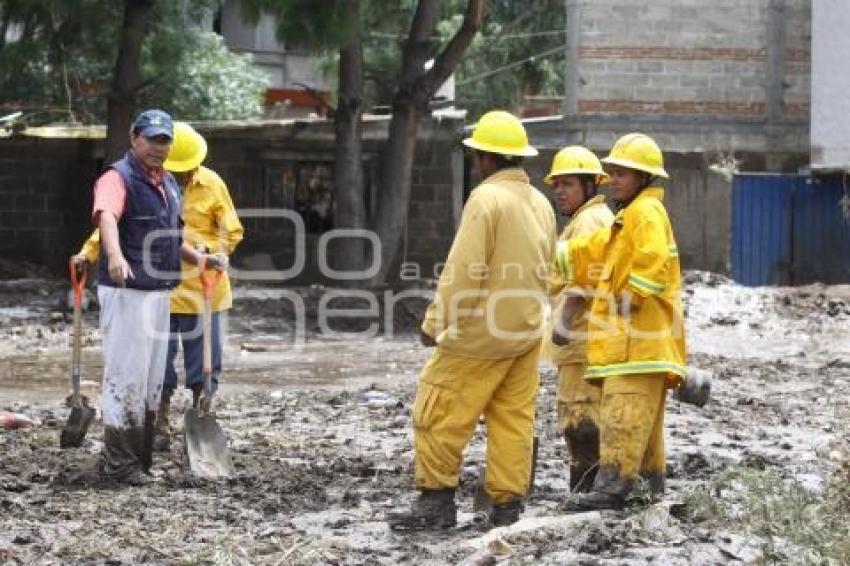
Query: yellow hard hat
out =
(638, 151)
(188, 149)
(500, 132)
(576, 160)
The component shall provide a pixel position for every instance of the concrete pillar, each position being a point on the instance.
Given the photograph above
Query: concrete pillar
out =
(573, 41)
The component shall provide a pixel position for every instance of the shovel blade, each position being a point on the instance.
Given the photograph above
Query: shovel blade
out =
(74, 431)
(206, 446)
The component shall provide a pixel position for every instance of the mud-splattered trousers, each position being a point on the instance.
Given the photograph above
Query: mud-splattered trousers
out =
(578, 399)
(631, 433)
(578, 418)
(134, 325)
(634, 352)
(454, 391)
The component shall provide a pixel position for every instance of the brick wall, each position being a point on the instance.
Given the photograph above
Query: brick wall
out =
(707, 75)
(677, 56)
(45, 191)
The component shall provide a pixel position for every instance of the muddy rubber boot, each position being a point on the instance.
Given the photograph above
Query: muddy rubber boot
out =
(583, 443)
(656, 484)
(197, 389)
(149, 432)
(506, 513)
(162, 431)
(594, 501)
(610, 491)
(581, 477)
(434, 509)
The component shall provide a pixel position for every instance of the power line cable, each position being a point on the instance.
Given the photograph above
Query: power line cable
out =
(512, 65)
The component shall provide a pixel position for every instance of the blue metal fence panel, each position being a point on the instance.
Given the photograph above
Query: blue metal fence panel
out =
(821, 234)
(762, 228)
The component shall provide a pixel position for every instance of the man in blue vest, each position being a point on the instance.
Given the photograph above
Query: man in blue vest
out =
(137, 208)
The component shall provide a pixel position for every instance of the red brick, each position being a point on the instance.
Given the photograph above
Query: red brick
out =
(663, 53)
(671, 107)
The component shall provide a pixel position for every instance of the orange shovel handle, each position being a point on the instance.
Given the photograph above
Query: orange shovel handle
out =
(78, 281)
(209, 278)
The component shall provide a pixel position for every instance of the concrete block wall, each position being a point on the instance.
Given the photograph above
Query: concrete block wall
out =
(252, 161)
(673, 57)
(701, 76)
(45, 196)
(797, 79)
(46, 191)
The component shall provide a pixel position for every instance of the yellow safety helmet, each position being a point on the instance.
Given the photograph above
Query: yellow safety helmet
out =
(188, 149)
(638, 151)
(500, 132)
(576, 160)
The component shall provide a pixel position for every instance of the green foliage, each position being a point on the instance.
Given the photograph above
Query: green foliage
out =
(205, 81)
(513, 33)
(778, 508)
(59, 59)
(500, 67)
(303, 23)
(50, 55)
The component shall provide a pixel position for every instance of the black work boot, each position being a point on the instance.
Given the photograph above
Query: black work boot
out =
(197, 389)
(583, 443)
(506, 513)
(610, 491)
(656, 483)
(162, 430)
(594, 501)
(433, 509)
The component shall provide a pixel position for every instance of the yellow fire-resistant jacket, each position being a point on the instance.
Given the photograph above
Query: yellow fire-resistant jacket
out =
(491, 294)
(210, 220)
(638, 253)
(590, 217)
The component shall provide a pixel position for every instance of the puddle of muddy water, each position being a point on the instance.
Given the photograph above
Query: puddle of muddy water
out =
(45, 376)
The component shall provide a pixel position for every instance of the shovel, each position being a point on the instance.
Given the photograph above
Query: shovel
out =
(206, 444)
(82, 415)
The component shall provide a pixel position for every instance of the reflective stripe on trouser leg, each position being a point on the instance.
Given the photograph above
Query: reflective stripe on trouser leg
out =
(510, 430)
(452, 394)
(630, 418)
(578, 418)
(135, 341)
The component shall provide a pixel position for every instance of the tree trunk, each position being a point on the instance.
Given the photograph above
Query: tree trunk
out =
(350, 212)
(410, 104)
(125, 77)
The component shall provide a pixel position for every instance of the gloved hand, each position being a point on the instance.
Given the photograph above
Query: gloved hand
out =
(218, 261)
(572, 304)
(79, 261)
(628, 304)
(427, 340)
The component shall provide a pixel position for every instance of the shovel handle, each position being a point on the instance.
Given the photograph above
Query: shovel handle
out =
(209, 280)
(78, 283)
(209, 277)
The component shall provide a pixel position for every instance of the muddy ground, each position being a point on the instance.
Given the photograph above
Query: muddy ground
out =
(321, 440)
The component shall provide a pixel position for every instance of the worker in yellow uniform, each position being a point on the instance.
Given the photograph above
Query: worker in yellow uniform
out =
(575, 177)
(485, 321)
(211, 223)
(636, 342)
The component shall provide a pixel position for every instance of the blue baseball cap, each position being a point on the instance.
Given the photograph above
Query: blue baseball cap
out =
(151, 123)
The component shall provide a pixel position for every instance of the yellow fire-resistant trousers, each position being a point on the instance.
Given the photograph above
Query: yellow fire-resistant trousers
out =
(631, 432)
(453, 392)
(578, 399)
(578, 418)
